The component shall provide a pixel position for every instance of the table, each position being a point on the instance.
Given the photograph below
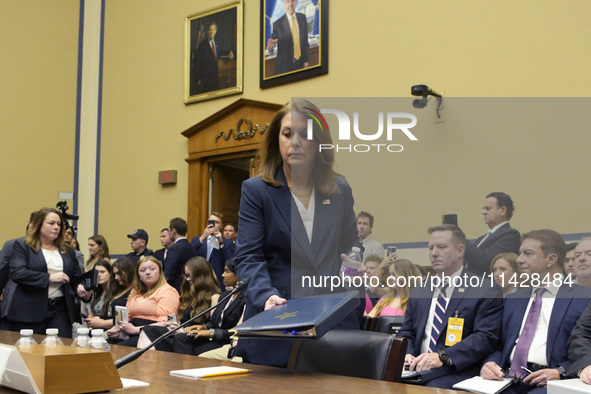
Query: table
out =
(154, 367)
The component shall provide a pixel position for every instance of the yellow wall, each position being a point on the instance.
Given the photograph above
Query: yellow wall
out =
(467, 48)
(38, 106)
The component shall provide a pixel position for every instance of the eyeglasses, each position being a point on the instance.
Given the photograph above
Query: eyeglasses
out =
(514, 376)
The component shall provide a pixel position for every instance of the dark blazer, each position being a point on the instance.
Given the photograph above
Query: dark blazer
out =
(218, 257)
(231, 317)
(25, 295)
(159, 254)
(579, 344)
(273, 250)
(5, 255)
(570, 302)
(480, 307)
(504, 240)
(284, 61)
(206, 67)
(176, 258)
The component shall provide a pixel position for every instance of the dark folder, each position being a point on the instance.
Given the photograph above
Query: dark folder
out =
(307, 317)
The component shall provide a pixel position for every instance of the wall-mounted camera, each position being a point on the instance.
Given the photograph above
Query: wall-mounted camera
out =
(424, 92)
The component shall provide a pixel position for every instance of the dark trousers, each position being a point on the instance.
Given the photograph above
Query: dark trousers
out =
(57, 317)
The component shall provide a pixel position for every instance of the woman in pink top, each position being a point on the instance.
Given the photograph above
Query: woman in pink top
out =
(151, 301)
(399, 277)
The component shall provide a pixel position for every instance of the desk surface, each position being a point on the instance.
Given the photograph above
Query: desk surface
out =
(154, 367)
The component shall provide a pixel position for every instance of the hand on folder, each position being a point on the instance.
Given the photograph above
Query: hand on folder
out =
(274, 300)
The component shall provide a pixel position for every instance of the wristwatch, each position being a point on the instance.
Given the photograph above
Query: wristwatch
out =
(444, 357)
(562, 372)
(211, 334)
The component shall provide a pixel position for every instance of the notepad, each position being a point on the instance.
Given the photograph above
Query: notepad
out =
(199, 373)
(482, 386)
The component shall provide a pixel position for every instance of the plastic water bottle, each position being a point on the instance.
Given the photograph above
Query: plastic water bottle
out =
(97, 341)
(351, 268)
(82, 339)
(51, 339)
(26, 339)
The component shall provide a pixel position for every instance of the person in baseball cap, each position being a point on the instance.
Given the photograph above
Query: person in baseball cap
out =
(139, 243)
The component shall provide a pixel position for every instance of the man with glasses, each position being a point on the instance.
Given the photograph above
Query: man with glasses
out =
(537, 321)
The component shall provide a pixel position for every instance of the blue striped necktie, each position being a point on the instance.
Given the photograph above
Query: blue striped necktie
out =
(440, 306)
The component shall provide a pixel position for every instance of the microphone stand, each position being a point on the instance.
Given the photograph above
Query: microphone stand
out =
(123, 361)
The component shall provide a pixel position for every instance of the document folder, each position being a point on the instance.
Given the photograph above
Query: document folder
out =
(307, 317)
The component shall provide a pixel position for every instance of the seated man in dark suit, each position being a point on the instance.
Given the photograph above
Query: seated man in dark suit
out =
(579, 343)
(537, 321)
(498, 209)
(435, 311)
(178, 254)
(212, 246)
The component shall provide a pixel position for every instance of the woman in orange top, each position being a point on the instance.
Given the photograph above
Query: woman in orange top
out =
(151, 301)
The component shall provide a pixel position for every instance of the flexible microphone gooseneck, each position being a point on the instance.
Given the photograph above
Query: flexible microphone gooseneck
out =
(123, 361)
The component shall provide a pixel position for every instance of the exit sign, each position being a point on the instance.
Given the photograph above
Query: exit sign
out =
(167, 177)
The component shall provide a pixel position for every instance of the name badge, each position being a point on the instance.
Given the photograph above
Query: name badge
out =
(455, 327)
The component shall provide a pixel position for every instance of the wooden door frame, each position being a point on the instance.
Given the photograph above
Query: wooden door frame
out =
(208, 144)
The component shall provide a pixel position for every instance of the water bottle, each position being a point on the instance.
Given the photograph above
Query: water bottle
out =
(51, 339)
(26, 339)
(351, 268)
(82, 338)
(97, 341)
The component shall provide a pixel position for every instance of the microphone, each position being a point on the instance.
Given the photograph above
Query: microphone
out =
(123, 361)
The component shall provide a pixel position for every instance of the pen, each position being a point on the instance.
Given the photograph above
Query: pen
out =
(527, 370)
(226, 373)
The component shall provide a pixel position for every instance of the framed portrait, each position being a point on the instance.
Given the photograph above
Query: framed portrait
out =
(213, 53)
(294, 40)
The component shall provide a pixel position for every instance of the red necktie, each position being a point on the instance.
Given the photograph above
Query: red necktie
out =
(215, 56)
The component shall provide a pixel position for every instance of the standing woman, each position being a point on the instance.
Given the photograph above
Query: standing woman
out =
(40, 292)
(98, 249)
(295, 219)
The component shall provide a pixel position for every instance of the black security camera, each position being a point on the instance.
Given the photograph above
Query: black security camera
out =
(424, 91)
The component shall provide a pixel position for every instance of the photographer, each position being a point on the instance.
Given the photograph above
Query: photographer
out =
(211, 245)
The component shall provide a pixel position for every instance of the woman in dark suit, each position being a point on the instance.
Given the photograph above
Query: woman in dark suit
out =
(295, 220)
(40, 291)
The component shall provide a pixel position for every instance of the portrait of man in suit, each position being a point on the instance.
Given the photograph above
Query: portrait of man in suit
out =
(213, 53)
(290, 35)
(206, 60)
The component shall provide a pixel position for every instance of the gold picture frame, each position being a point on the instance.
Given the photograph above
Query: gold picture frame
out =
(214, 42)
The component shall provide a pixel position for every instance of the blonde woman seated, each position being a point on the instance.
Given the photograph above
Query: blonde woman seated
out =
(150, 301)
(503, 267)
(393, 273)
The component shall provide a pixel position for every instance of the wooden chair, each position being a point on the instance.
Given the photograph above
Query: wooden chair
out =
(356, 353)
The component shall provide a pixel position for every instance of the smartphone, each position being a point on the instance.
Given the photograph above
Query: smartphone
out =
(391, 250)
(211, 222)
(451, 218)
(172, 318)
